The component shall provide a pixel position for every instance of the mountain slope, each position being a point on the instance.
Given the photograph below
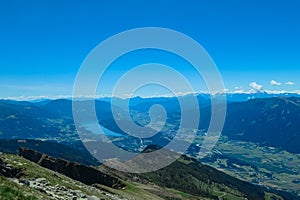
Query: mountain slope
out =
(191, 177)
(272, 122)
(35, 181)
(19, 121)
(186, 178)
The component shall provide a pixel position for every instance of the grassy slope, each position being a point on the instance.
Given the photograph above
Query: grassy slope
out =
(133, 191)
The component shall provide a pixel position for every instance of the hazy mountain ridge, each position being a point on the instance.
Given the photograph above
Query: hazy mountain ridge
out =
(271, 121)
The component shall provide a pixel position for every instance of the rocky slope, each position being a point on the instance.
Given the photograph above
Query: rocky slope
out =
(21, 179)
(85, 174)
(28, 180)
(184, 179)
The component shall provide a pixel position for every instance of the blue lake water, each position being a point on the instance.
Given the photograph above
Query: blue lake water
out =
(94, 128)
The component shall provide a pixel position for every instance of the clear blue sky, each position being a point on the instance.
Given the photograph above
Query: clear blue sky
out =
(43, 43)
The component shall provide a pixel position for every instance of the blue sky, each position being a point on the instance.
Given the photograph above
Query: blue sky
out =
(43, 43)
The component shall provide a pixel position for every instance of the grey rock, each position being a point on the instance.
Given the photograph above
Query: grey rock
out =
(40, 189)
(92, 198)
(25, 182)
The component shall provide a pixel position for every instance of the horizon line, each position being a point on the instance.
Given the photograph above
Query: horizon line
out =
(213, 94)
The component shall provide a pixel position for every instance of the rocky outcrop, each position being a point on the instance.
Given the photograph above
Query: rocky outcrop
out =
(9, 171)
(57, 191)
(85, 174)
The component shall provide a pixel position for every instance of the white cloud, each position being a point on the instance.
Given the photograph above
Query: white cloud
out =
(276, 91)
(290, 83)
(275, 83)
(238, 90)
(296, 92)
(256, 86)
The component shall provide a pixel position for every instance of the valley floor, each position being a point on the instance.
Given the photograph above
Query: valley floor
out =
(261, 165)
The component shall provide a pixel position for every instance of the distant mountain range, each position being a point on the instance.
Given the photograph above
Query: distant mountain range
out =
(231, 96)
(269, 121)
